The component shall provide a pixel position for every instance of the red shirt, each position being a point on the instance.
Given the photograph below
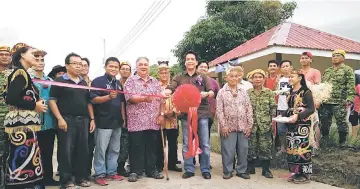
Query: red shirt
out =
(270, 83)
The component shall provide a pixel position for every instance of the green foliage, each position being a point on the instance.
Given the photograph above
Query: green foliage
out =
(175, 69)
(229, 24)
(154, 71)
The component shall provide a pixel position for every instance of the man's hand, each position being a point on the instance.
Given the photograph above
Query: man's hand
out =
(160, 120)
(62, 124)
(113, 94)
(148, 99)
(92, 126)
(204, 94)
(247, 132)
(224, 132)
(124, 123)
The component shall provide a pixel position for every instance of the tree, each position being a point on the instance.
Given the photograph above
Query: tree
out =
(175, 69)
(229, 24)
(154, 71)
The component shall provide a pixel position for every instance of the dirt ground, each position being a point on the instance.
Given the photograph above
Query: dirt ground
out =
(176, 182)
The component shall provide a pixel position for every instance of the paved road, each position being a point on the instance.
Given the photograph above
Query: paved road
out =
(176, 182)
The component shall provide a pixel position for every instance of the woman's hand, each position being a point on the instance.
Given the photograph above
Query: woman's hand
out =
(41, 107)
(293, 118)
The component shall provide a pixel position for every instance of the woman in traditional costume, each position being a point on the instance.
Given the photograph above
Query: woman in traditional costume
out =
(24, 168)
(301, 107)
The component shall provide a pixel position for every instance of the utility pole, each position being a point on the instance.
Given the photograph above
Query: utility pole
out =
(104, 58)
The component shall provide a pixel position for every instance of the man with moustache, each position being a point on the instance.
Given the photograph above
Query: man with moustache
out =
(85, 70)
(110, 118)
(5, 59)
(270, 81)
(125, 72)
(46, 136)
(201, 81)
(342, 79)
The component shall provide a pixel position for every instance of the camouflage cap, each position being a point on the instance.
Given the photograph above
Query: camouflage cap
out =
(339, 51)
(5, 48)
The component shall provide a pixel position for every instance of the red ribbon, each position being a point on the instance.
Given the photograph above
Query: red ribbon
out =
(193, 137)
(68, 85)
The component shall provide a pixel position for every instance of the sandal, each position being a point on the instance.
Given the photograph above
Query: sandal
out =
(69, 186)
(84, 183)
(133, 177)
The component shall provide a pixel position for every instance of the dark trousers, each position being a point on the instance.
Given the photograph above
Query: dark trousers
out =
(124, 146)
(211, 121)
(143, 148)
(46, 140)
(91, 145)
(74, 149)
(171, 136)
(4, 152)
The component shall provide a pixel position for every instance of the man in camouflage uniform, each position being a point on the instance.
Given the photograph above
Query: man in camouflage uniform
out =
(5, 58)
(264, 108)
(342, 79)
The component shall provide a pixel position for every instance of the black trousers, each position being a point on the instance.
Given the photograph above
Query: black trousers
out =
(74, 149)
(46, 140)
(143, 149)
(91, 145)
(124, 146)
(4, 151)
(171, 136)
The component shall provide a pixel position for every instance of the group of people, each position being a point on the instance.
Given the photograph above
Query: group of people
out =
(113, 122)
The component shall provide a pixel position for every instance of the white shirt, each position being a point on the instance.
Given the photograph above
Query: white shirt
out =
(243, 85)
(283, 85)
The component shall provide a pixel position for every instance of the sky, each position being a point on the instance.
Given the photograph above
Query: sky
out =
(61, 27)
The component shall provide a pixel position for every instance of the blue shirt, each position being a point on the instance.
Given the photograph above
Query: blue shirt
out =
(107, 115)
(47, 118)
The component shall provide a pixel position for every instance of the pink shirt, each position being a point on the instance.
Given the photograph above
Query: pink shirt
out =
(357, 99)
(313, 75)
(142, 116)
(234, 112)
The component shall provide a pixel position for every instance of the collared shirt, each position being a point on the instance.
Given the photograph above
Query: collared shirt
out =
(264, 107)
(202, 82)
(342, 81)
(108, 114)
(215, 88)
(234, 112)
(44, 90)
(142, 116)
(71, 101)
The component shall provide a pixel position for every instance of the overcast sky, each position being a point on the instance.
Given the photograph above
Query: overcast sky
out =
(80, 26)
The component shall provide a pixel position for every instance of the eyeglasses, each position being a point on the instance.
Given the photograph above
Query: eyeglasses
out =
(125, 69)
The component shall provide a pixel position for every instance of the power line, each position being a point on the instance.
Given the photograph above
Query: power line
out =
(134, 27)
(144, 29)
(143, 23)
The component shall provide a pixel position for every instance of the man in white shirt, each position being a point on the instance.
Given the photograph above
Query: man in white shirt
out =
(283, 85)
(242, 83)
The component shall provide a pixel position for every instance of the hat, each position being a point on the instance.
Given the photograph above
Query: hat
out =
(339, 51)
(163, 63)
(307, 54)
(260, 71)
(40, 52)
(56, 69)
(5, 48)
(17, 47)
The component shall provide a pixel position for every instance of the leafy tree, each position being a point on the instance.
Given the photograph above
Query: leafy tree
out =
(230, 23)
(154, 71)
(175, 69)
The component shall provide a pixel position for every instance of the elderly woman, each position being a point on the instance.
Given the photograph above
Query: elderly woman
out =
(235, 119)
(145, 115)
(171, 131)
(24, 167)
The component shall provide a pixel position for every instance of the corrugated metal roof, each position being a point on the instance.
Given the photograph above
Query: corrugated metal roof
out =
(290, 35)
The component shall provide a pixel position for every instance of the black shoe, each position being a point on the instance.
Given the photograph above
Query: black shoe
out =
(265, 169)
(227, 176)
(133, 177)
(175, 168)
(51, 182)
(250, 168)
(243, 175)
(187, 175)
(121, 170)
(206, 175)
